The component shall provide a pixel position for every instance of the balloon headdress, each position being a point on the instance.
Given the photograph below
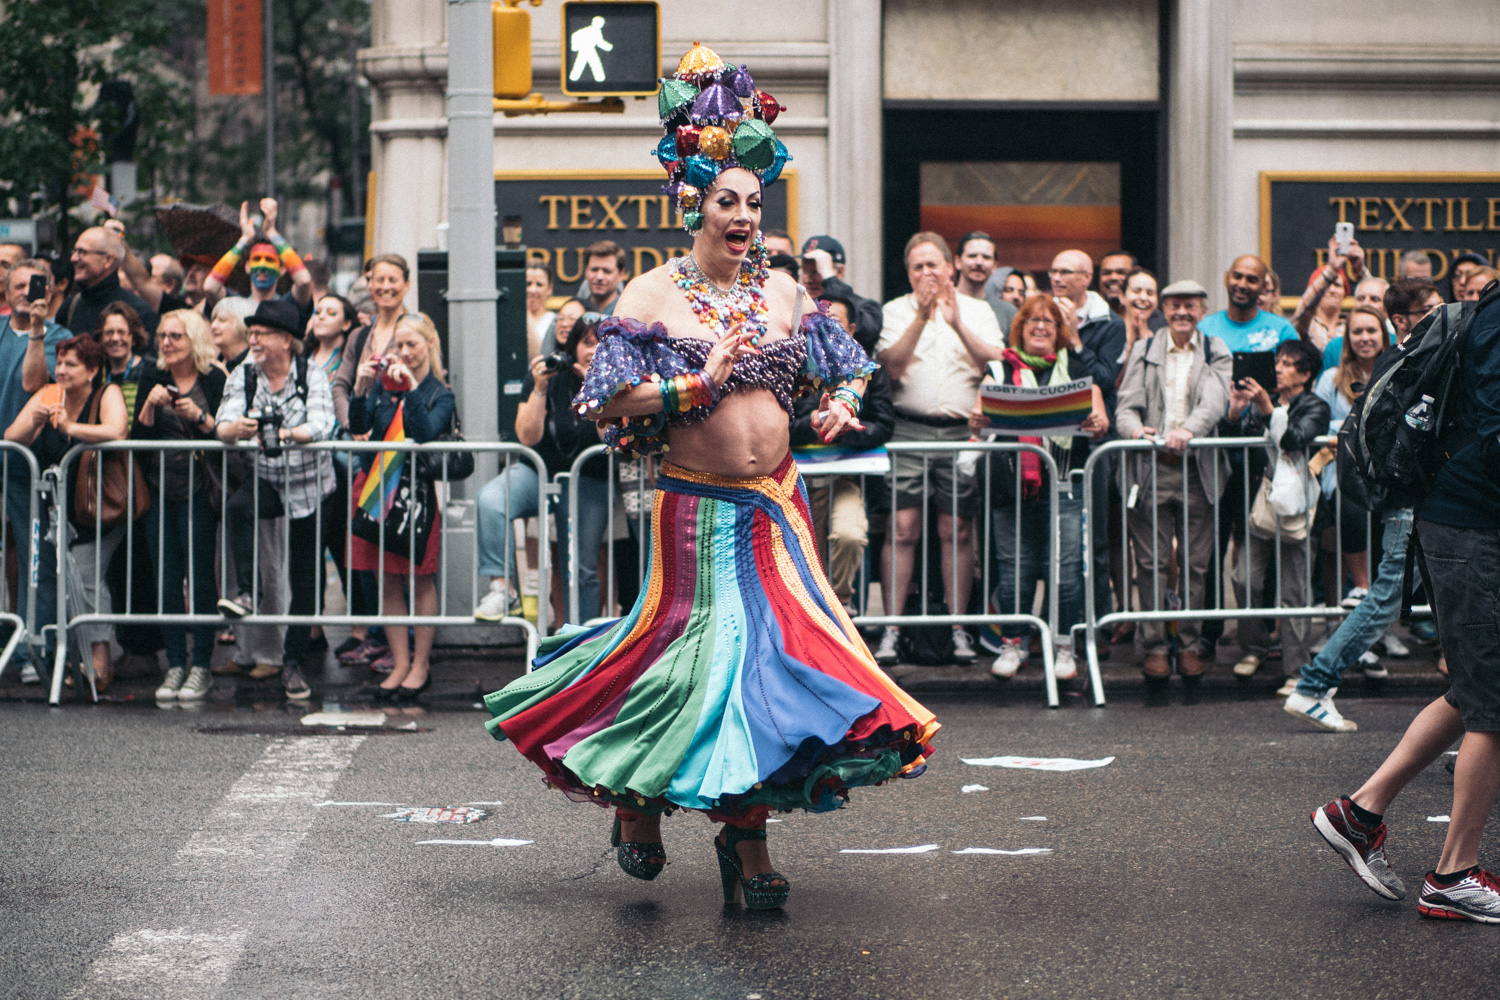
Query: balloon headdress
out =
(715, 120)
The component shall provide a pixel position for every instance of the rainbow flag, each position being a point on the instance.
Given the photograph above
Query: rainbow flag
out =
(1041, 411)
(386, 471)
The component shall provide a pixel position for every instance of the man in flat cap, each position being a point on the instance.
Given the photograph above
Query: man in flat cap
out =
(1175, 389)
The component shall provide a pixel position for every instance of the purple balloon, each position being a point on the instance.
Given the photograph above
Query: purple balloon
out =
(715, 103)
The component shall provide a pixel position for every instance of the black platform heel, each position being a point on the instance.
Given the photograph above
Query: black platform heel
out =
(760, 891)
(642, 859)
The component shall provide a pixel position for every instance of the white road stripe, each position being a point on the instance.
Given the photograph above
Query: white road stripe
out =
(252, 833)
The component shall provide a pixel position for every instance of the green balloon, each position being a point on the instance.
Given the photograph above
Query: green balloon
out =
(754, 144)
(675, 95)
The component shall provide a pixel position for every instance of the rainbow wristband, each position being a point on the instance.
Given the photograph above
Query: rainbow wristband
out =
(849, 398)
(289, 258)
(225, 266)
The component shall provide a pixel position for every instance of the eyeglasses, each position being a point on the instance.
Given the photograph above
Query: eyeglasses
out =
(80, 251)
(1041, 321)
(1063, 272)
(170, 337)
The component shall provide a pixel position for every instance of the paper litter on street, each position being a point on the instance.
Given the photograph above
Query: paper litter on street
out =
(1037, 763)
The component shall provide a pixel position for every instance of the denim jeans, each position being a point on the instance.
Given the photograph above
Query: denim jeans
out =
(1035, 537)
(510, 495)
(171, 527)
(593, 521)
(1368, 622)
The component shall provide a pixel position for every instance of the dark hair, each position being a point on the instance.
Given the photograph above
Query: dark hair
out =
(545, 268)
(132, 323)
(975, 235)
(1406, 295)
(1304, 356)
(1142, 270)
(582, 327)
(394, 259)
(85, 348)
(62, 267)
(318, 271)
(1120, 253)
(840, 297)
(607, 248)
(929, 237)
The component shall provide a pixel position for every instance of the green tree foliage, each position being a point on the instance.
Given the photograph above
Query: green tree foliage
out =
(191, 146)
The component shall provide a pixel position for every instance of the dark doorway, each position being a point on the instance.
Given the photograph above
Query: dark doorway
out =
(1085, 174)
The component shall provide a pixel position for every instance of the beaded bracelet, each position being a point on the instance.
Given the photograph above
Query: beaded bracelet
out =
(681, 393)
(849, 398)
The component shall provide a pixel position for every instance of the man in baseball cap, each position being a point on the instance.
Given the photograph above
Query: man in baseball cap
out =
(1175, 388)
(823, 272)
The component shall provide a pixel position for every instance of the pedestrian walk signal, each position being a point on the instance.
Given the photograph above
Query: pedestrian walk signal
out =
(610, 47)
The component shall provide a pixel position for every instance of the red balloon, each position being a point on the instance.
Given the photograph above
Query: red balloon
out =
(687, 140)
(766, 107)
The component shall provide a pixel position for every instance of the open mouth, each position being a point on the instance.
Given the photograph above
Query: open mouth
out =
(738, 240)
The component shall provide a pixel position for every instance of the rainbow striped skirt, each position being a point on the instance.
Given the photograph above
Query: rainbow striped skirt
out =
(736, 686)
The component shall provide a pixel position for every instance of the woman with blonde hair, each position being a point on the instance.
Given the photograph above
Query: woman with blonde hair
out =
(177, 402)
(411, 385)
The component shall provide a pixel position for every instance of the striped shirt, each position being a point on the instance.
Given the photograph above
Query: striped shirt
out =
(302, 477)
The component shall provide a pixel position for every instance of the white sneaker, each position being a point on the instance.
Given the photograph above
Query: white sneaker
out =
(1247, 666)
(1355, 595)
(496, 604)
(1392, 645)
(886, 653)
(1063, 663)
(1287, 688)
(197, 685)
(1009, 660)
(171, 683)
(1371, 665)
(29, 674)
(963, 646)
(1319, 711)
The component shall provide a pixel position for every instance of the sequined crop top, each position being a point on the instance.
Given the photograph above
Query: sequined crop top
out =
(631, 352)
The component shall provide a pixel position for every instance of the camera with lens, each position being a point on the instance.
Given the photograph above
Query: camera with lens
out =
(555, 361)
(269, 431)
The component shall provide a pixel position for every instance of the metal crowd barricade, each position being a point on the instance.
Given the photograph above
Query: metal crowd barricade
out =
(59, 484)
(1094, 621)
(929, 451)
(27, 570)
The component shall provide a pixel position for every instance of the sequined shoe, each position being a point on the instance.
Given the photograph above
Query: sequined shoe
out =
(766, 891)
(642, 859)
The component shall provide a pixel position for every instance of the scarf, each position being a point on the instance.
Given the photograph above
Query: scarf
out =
(1023, 369)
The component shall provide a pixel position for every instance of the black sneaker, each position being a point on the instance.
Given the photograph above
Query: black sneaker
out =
(1363, 847)
(294, 683)
(235, 607)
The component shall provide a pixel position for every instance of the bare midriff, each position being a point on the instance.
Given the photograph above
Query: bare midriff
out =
(747, 435)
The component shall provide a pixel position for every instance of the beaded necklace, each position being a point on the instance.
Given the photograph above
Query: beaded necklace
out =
(719, 310)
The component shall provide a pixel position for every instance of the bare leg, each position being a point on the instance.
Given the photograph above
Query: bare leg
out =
(901, 558)
(957, 545)
(1430, 733)
(395, 606)
(1358, 568)
(640, 827)
(104, 668)
(426, 603)
(755, 856)
(1476, 777)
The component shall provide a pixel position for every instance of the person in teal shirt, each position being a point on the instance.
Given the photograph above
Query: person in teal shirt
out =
(1244, 326)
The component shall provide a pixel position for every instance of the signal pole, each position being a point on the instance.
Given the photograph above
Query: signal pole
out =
(471, 222)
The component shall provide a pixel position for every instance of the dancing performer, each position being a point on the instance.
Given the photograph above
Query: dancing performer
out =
(737, 685)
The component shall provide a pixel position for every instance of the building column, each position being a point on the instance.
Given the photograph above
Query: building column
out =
(1199, 131)
(855, 169)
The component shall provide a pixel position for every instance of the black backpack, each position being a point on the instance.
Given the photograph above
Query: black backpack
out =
(1385, 460)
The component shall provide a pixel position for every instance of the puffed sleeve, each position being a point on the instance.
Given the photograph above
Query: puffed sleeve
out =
(629, 353)
(833, 357)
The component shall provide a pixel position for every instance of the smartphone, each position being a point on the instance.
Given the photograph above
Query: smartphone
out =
(1259, 365)
(36, 288)
(174, 392)
(1343, 232)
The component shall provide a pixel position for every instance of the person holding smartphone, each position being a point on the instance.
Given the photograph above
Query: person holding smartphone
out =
(28, 357)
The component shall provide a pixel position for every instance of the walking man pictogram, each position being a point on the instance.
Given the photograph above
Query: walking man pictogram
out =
(587, 42)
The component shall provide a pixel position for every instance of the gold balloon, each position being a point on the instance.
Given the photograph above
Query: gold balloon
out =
(714, 142)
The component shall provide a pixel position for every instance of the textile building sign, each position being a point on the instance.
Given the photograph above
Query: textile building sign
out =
(1441, 214)
(561, 212)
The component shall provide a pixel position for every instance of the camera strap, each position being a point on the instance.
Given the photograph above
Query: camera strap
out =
(252, 381)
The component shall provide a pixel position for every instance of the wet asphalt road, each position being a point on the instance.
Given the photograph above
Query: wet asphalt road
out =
(184, 854)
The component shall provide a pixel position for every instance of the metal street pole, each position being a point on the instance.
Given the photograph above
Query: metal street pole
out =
(471, 222)
(270, 85)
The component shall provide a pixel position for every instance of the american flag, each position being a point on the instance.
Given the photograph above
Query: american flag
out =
(100, 199)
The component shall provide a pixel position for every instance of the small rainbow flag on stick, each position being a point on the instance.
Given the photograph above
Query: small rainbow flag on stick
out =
(385, 474)
(1041, 411)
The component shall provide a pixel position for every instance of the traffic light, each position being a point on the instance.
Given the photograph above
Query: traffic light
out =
(511, 28)
(611, 47)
